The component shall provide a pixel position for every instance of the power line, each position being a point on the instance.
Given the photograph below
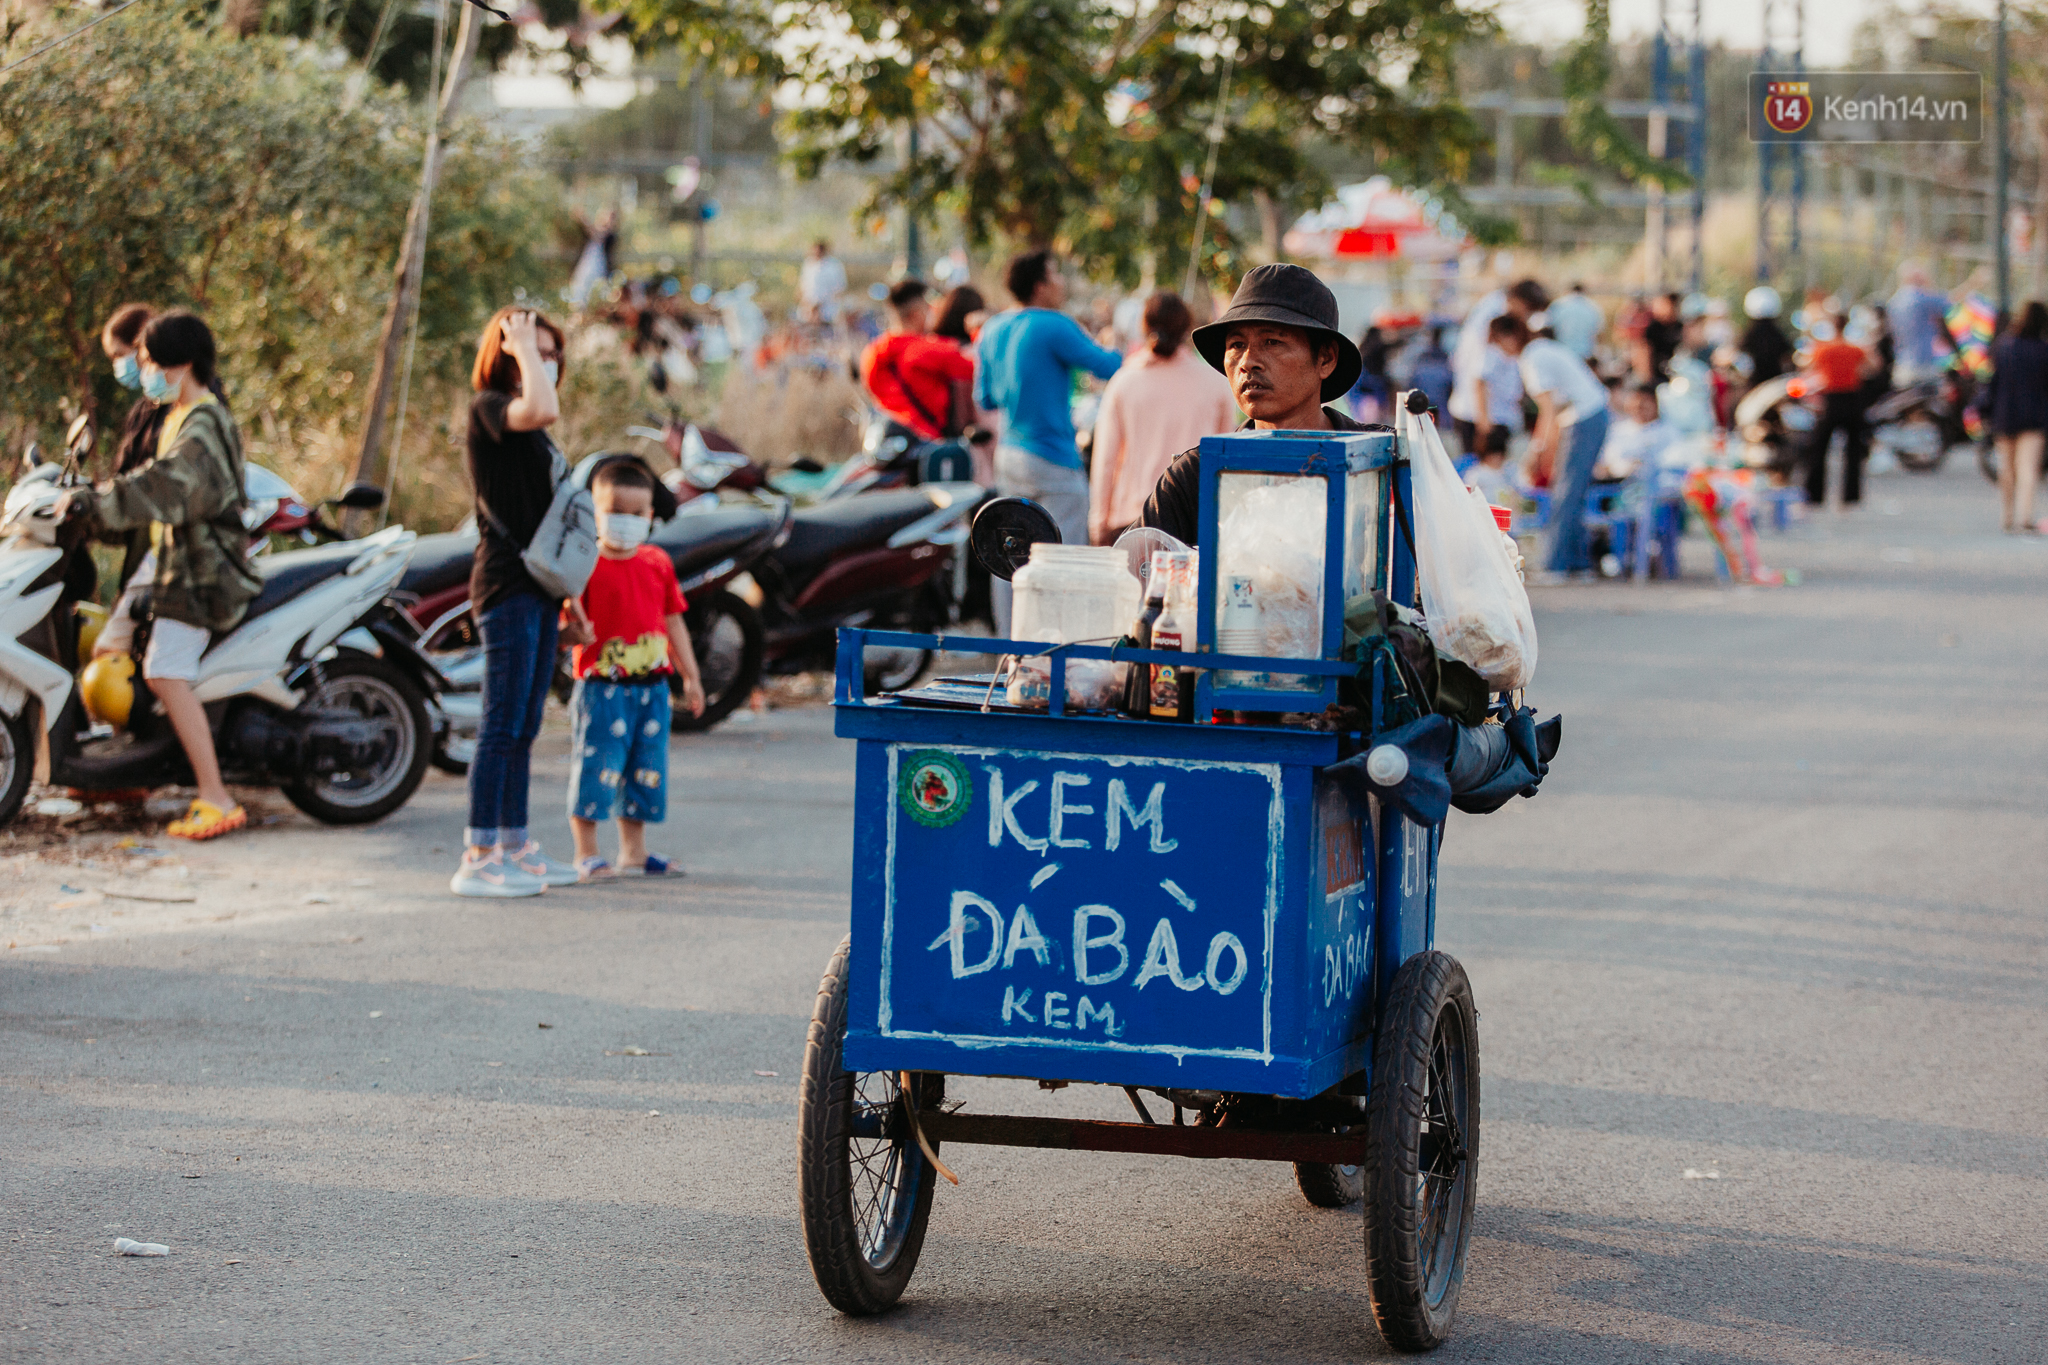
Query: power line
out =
(59, 42)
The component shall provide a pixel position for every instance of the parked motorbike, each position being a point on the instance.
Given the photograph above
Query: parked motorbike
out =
(888, 560)
(888, 556)
(1775, 419)
(315, 692)
(1921, 423)
(431, 603)
(892, 455)
(274, 508)
(712, 544)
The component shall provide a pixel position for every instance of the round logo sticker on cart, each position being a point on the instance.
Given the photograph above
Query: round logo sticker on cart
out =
(935, 788)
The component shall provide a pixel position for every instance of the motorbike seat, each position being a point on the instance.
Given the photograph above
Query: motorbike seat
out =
(287, 575)
(697, 540)
(831, 529)
(439, 562)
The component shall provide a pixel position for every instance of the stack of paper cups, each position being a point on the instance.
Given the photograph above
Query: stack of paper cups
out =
(1238, 628)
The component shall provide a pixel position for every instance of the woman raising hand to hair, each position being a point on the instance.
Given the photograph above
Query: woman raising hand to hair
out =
(512, 466)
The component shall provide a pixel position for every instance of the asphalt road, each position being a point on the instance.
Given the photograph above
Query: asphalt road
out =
(1764, 995)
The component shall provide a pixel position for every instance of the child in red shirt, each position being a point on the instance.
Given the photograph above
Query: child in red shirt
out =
(631, 615)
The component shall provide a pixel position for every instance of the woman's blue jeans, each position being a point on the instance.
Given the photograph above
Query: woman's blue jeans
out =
(1568, 501)
(519, 663)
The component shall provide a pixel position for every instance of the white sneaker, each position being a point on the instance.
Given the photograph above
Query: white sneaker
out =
(492, 876)
(538, 865)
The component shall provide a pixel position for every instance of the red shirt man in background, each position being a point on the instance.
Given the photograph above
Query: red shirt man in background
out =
(912, 375)
(1841, 366)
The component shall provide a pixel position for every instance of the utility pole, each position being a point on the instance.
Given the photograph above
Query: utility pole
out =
(1696, 147)
(913, 249)
(412, 252)
(1784, 40)
(700, 230)
(1654, 240)
(2004, 176)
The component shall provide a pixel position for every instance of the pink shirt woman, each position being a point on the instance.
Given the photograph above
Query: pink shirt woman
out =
(1163, 401)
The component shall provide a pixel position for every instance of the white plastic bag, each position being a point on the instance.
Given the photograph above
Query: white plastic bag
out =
(1477, 608)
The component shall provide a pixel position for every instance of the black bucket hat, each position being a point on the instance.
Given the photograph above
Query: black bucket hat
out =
(1293, 297)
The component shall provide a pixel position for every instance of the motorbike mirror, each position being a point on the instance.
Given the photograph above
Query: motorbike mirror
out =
(360, 497)
(1004, 531)
(78, 438)
(32, 458)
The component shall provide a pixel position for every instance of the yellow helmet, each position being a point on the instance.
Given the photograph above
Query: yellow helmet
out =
(107, 687)
(92, 619)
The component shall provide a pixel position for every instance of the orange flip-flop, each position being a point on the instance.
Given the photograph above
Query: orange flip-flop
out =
(204, 820)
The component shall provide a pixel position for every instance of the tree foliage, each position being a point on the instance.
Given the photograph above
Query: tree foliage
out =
(1084, 124)
(178, 166)
(1594, 132)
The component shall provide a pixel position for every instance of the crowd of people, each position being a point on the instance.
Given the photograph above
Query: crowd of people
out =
(1548, 397)
(1096, 421)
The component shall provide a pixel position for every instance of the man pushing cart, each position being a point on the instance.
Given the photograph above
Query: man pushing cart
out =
(1230, 919)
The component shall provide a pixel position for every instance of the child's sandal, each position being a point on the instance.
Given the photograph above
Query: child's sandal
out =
(594, 870)
(204, 820)
(658, 866)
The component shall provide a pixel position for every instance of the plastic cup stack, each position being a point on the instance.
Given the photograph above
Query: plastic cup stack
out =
(1238, 628)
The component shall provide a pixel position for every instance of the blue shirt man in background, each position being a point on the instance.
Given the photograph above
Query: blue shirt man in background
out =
(1025, 364)
(1576, 320)
(1918, 315)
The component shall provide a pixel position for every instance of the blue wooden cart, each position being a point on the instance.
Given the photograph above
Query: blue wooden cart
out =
(1196, 913)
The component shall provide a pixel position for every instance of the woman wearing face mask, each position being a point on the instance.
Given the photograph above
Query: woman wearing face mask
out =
(121, 340)
(511, 465)
(188, 497)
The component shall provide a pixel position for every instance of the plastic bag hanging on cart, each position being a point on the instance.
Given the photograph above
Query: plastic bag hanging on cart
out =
(1477, 608)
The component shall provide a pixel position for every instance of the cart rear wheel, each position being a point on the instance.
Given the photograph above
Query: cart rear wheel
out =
(866, 1187)
(1422, 1151)
(1327, 1186)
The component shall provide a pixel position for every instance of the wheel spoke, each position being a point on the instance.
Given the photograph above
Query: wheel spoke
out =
(882, 1170)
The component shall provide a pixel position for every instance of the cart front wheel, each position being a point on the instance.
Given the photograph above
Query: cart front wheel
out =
(1422, 1151)
(866, 1187)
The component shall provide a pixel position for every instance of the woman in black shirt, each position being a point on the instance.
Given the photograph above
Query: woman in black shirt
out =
(513, 466)
(2019, 414)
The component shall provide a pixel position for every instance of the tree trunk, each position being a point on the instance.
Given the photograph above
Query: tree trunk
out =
(412, 259)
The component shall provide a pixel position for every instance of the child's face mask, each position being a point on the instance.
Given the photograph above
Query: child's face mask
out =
(156, 385)
(128, 372)
(623, 532)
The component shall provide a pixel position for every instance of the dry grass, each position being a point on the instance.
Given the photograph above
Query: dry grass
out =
(790, 410)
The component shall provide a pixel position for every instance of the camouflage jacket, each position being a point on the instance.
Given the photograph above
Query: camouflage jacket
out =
(193, 494)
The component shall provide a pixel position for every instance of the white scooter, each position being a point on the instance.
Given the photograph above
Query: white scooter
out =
(301, 695)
